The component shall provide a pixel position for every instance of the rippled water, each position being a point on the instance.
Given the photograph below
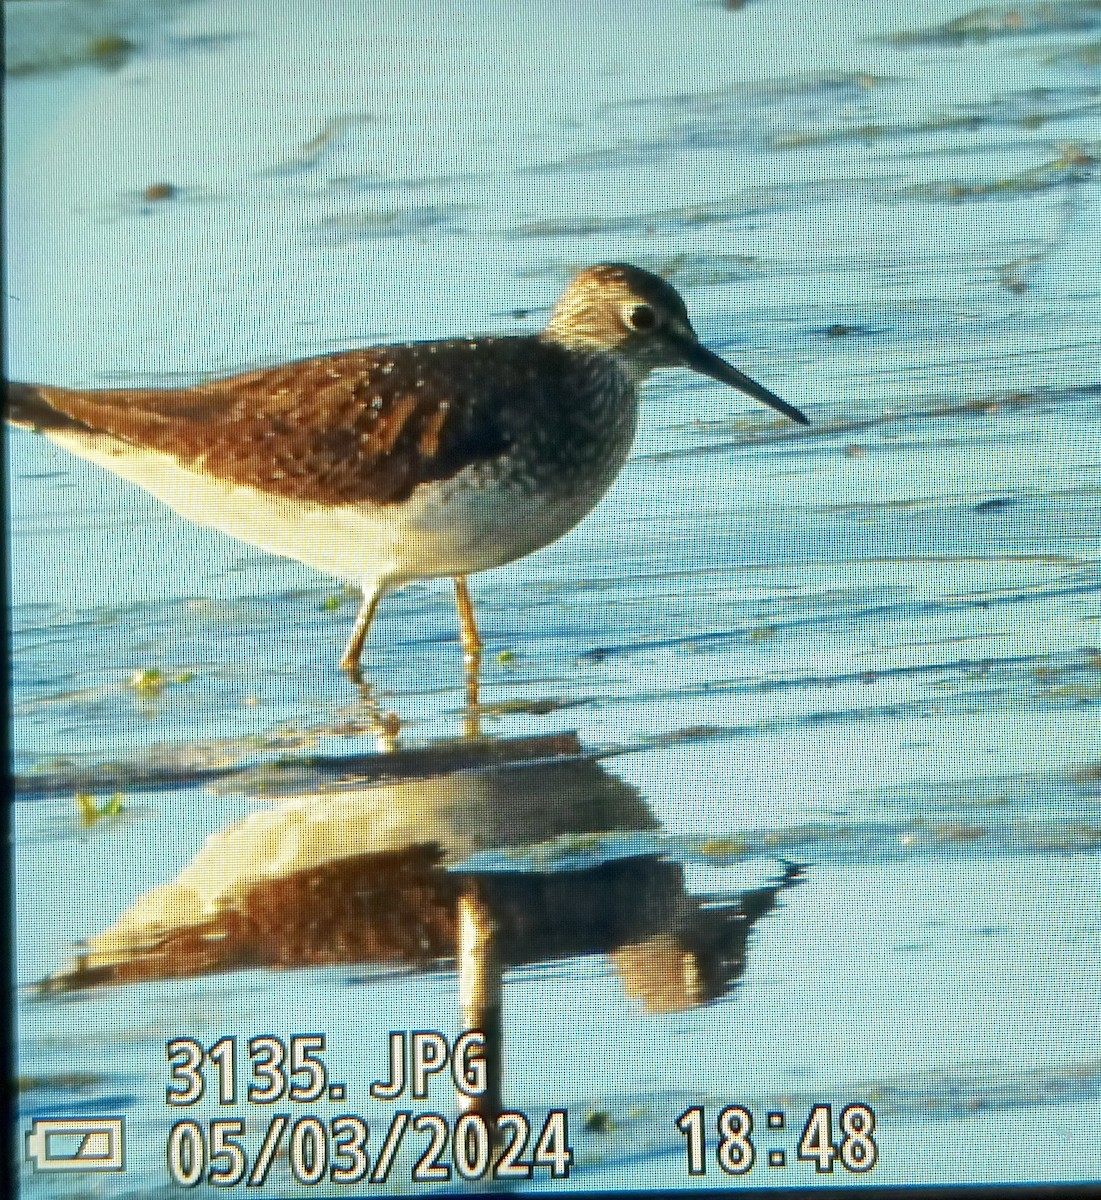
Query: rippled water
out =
(871, 647)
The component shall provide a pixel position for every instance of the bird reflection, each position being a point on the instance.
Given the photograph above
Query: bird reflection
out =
(482, 857)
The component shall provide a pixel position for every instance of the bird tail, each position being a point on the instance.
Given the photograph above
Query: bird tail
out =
(29, 407)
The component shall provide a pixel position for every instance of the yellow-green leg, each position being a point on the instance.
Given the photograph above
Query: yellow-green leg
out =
(471, 642)
(353, 651)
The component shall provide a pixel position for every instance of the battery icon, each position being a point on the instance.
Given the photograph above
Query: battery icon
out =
(87, 1144)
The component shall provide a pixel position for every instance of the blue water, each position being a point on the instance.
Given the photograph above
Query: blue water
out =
(872, 646)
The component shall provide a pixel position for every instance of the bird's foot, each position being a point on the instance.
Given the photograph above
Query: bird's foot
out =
(385, 726)
(358, 680)
(387, 729)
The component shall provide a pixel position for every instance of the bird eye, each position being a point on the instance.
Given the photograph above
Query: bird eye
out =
(642, 317)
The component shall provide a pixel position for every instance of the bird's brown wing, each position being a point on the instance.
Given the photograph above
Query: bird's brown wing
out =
(362, 425)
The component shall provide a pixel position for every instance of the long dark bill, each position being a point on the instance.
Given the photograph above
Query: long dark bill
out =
(711, 365)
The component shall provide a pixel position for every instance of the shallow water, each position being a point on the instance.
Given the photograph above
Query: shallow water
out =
(871, 646)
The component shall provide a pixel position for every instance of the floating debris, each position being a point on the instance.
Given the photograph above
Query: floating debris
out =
(91, 812)
(724, 849)
(147, 681)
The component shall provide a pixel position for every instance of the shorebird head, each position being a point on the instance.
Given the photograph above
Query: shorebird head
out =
(637, 316)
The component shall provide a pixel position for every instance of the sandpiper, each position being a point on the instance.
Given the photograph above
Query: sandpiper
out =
(395, 463)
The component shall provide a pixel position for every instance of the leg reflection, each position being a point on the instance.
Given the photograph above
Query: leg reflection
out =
(480, 1003)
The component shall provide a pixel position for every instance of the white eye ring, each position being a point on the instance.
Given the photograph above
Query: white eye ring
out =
(642, 317)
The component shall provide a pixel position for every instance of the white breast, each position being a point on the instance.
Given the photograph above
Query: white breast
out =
(441, 530)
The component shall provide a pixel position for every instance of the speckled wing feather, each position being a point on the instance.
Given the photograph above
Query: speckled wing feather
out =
(361, 425)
